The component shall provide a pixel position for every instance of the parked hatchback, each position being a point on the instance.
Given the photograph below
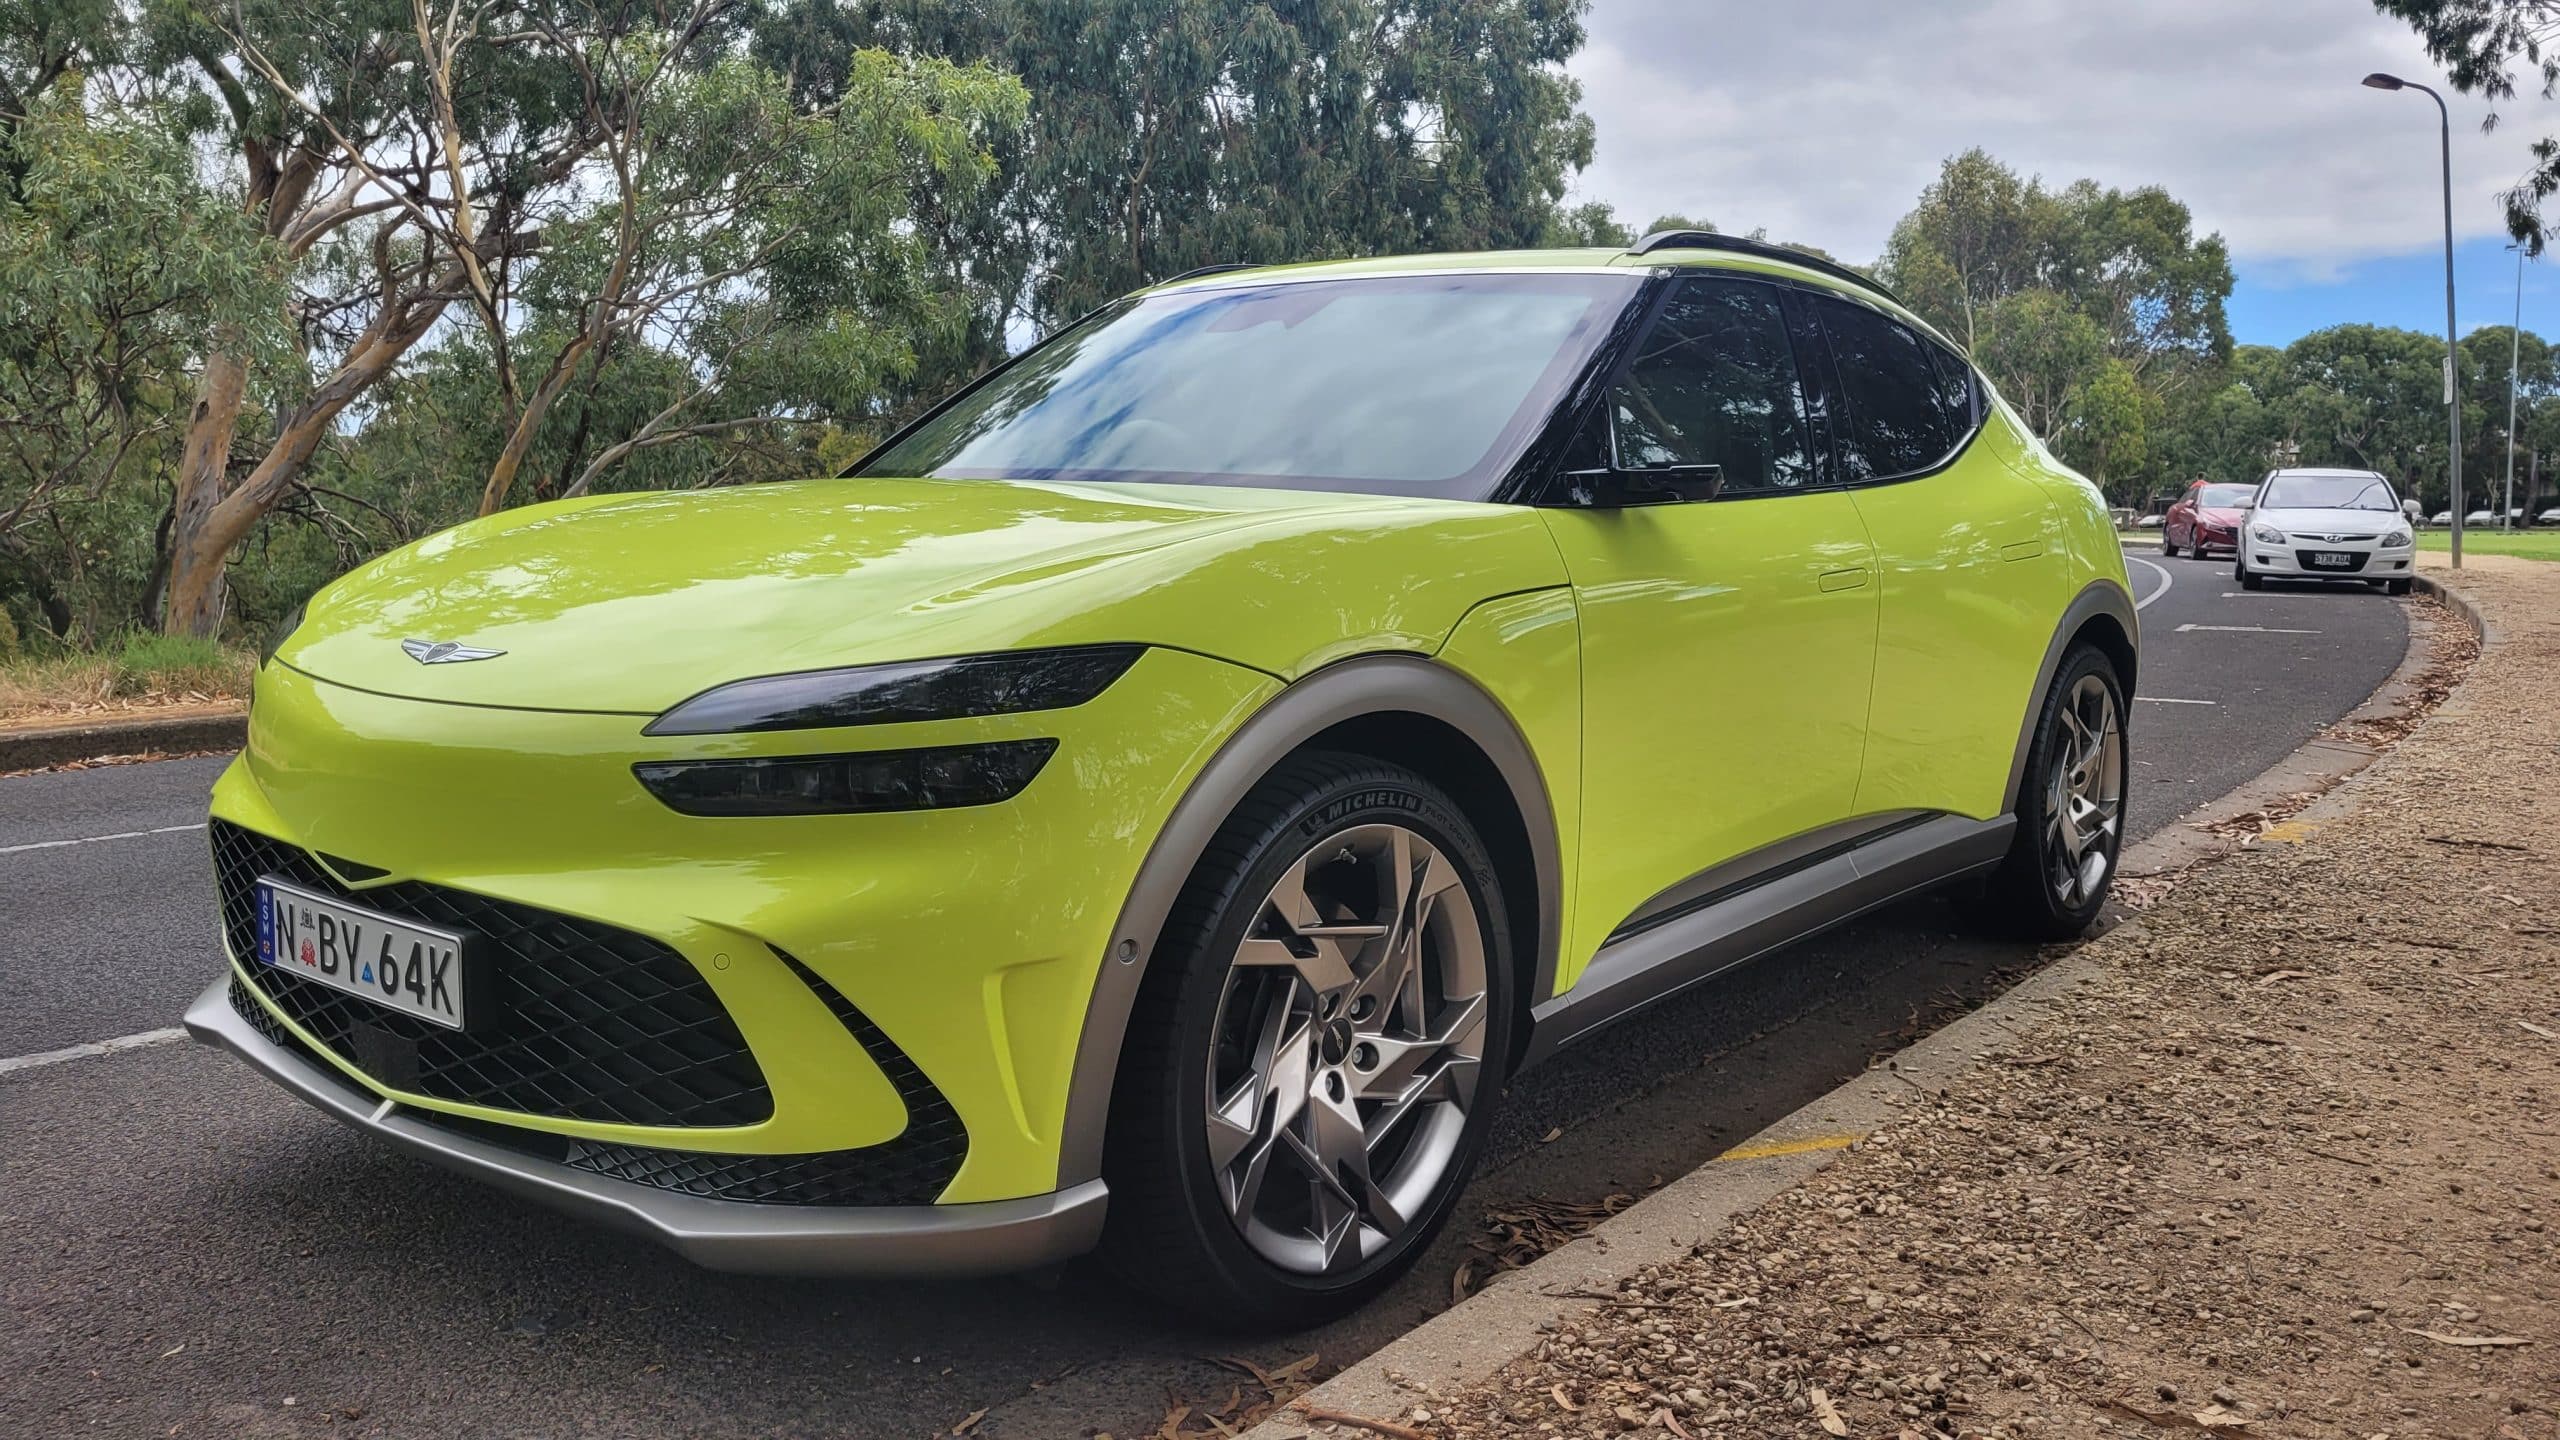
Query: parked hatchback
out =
(2327, 525)
(1161, 799)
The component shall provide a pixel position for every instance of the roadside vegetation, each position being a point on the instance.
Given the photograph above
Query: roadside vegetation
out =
(2531, 544)
(134, 670)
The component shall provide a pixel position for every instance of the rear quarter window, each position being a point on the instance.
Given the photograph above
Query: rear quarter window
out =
(1905, 412)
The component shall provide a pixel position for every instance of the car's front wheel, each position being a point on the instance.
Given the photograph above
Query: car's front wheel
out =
(2168, 543)
(1316, 1052)
(2249, 579)
(2070, 811)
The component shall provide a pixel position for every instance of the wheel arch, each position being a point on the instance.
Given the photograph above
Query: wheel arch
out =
(2102, 614)
(1402, 708)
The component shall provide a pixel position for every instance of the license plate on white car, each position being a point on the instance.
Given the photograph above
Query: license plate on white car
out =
(411, 968)
(2332, 559)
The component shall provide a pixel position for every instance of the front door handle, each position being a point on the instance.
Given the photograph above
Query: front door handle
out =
(1843, 579)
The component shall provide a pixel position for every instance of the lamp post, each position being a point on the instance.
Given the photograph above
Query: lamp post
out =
(2515, 366)
(2452, 393)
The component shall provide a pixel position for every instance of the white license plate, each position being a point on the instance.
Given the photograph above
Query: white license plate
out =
(2333, 559)
(413, 969)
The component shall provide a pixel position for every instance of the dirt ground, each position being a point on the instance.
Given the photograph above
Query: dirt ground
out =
(2287, 1165)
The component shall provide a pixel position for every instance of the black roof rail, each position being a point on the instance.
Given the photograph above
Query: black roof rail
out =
(1739, 245)
(1206, 270)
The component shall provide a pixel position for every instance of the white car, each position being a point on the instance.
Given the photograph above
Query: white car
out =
(2442, 518)
(2481, 517)
(2548, 517)
(2326, 525)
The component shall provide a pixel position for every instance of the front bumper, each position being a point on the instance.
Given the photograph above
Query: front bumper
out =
(984, 1238)
(2291, 559)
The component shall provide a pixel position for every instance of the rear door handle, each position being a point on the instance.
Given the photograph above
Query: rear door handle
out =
(1843, 579)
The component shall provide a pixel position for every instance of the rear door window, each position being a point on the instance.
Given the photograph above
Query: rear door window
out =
(1903, 411)
(1714, 383)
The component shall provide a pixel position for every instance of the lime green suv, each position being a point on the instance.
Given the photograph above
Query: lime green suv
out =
(1156, 802)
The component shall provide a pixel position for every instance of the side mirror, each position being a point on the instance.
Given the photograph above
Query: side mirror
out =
(1614, 489)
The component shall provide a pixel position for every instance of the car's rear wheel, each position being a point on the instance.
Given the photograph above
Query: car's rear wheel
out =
(2062, 859)
(1316, 1053)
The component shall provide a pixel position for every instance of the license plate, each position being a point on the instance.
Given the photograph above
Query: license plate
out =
(414, 969)
(2333, 559)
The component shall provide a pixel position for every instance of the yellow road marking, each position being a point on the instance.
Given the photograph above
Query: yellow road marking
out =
(1776, 1148)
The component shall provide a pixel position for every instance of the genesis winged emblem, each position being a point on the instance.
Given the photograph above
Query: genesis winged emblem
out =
(445, 652)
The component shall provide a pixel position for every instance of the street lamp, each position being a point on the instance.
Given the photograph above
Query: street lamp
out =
(2515, 367)
(2452, 396)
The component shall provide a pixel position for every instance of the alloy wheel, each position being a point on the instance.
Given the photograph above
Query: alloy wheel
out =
(2084, 795)
(1350, 1047)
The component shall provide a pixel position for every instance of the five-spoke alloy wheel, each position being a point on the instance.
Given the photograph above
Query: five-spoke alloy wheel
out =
(1317, 1046)
(2070, 809)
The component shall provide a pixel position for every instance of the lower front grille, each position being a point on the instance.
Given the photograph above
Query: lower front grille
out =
(577, 1021)
(912, 1168)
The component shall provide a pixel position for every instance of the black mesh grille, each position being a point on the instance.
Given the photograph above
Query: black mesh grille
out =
(572, 1019)
(913, 1168)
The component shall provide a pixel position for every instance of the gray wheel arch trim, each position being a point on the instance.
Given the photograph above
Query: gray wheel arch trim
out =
(2099, 597)
(1349, 690)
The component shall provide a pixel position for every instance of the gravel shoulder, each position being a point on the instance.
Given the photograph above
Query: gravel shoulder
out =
(2280, 1161)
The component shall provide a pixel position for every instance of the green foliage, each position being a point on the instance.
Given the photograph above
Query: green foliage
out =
(2094, 310)
(116, 260)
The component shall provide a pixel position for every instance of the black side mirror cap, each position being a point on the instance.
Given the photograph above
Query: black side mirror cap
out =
(1613, 489)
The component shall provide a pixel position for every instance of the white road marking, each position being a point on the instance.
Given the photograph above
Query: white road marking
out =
(2250, 629)
(2165, 700)
(2156, 568)
(94, 839)
(82, 1052)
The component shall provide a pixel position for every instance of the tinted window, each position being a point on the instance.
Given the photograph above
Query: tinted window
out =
(1954, 392)
(1899, 410)
(1402, 384)
(1714, 383)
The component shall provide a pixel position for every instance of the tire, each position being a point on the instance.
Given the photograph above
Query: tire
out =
(1194, 1221)
(2248, 578)
(2168, 544)
(2396, 587)
(2026, 897)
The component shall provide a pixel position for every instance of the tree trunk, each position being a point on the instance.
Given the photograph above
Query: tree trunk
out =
(195, 597)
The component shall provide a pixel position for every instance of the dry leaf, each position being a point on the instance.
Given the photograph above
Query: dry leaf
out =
(2538, 1030)
(969, 1422)
(1824, 1411)
(1671, 1422)
(2212, 1418)
(2273, 976)
(1552, 1136)
(1557, 1391)
(2472, 1342)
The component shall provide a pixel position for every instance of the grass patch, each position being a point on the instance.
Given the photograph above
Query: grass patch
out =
(2531, 544)
(130, 672)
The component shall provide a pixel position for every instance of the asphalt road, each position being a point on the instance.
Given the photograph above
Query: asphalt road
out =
(185, 1251)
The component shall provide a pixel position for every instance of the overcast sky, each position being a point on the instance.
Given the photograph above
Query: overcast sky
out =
(1823, 119)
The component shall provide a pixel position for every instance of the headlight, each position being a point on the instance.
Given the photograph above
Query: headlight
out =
(2395, 539)
(282, 632)
(941, 778)
(2266, 536)
(906, 690)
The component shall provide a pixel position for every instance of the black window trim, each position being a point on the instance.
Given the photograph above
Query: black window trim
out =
(1542, 484)
(1836, 395)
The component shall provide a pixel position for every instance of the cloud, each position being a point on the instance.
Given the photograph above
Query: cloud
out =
(1823, 120)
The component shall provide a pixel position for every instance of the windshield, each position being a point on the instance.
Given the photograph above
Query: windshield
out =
(2225, 497)
(1423, 385)
(2330, 492)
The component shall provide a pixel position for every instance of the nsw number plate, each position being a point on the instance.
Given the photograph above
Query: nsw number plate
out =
(409, 968)
(2333, 559)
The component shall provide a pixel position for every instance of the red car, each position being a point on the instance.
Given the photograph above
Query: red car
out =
(2205, 519)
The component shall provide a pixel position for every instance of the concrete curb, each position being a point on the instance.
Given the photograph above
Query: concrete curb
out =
(38, 747)
(1470, 1341)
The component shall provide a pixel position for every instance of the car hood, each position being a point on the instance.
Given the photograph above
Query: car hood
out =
(631, 603)
(2331, 522)
(2217, 515)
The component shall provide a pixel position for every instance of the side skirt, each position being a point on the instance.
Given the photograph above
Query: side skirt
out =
(1833, 886)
